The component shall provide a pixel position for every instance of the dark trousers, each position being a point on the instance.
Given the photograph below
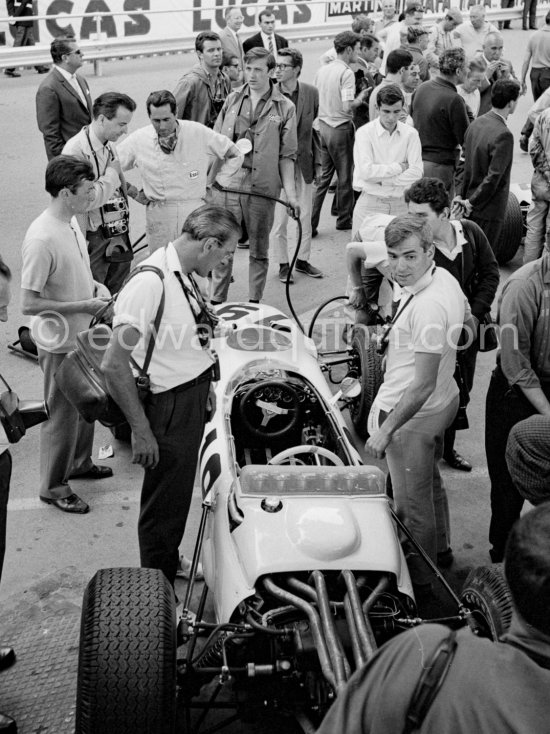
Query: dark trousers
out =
(24, 36)
(112, 275)
(468, 364)
(336, 155)
(505, 406)
(491, 226)
(505, 4)
(5, 476)
(540, 81)
(177, 420)
(529, 14)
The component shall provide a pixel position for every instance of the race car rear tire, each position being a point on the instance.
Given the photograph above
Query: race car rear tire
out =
(127, 660)
(511, 232)
(487, 595)
(371, 376)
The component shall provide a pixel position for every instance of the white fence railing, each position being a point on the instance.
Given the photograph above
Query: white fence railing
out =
(170, 29)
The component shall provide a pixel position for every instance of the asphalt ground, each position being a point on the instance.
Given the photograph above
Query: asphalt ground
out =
(51, 556)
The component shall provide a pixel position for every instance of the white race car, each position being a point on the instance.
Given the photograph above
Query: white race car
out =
(300, 549)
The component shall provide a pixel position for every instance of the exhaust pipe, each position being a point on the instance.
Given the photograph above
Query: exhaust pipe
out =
(358, 656)
(364, 629)
(320, 644)
(337, 655)
(380, 587)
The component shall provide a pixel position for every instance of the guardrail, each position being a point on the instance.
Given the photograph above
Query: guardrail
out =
(100, 48)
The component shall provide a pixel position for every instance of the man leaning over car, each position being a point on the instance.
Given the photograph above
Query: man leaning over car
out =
(167, 428)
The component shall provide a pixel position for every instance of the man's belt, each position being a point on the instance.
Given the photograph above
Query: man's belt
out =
(205, 376)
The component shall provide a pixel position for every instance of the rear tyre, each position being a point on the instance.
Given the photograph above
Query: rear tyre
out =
(487, 595)
(368, 365)
(511, 232)
(127, 659)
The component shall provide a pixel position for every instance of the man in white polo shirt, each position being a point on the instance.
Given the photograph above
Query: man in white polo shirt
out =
(387, 158)
(167, 428)
(418, 399)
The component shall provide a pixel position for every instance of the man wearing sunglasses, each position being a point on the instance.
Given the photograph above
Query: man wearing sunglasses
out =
(63, 100)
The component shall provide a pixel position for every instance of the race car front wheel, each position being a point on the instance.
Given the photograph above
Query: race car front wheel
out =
(368, 365)
(127, 659)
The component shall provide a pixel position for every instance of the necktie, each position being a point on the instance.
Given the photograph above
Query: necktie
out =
(271, 49)
(78, 89)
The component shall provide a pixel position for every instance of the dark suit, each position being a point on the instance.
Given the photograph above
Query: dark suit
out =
(60, 112)
(255, 41)
(488, 153)
(307, 108)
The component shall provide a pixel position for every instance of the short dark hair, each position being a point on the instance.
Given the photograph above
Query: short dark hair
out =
(414, 32)
(361, 22)
(265, 11)
(344, 40)
(430, 191)
(205, 36)
(211, 221)
(67, 172)
(413, 8)
(527, 566)
(159, 99)
(4, 269)
(390, 94)
(408, 225)
(504, 91)
(61, 46)
(260, 53)
(294, 54)
(368, 40)
(228, 58)
(397, 60)
(451, 61)
(107, 104)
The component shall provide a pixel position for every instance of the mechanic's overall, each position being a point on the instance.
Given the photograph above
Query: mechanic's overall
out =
(167, 428)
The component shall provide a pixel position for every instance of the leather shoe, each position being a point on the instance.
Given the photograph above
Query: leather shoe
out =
(11, 72)
(42, 69)
(95, 472)
(456, 461)
(72, 504)
(524, 143)
(445, 559)
(7, 657)
(7, 725)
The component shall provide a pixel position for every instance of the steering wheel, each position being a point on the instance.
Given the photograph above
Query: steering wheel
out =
(270, 409)
(283, 456)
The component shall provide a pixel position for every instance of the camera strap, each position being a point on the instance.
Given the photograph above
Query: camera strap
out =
(399, 308)
(123, 186)
(198, 307)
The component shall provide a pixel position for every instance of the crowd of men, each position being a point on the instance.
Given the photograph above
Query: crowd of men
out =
(408, 127)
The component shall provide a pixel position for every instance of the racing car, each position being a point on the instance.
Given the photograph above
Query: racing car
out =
(304, 571)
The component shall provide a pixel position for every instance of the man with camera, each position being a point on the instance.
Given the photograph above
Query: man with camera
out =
(7, 654)
(201, 92)
(167, 428)
(106, 223)
(58, 289)
(418, 399)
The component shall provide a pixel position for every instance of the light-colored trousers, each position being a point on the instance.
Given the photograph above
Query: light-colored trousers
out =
(368, 204)
(413, 456)
(164, 220)
(278, 240)
(66, 439)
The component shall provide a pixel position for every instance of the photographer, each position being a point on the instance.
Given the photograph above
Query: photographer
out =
(201, 92)
(418, 399)
(106, 223)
